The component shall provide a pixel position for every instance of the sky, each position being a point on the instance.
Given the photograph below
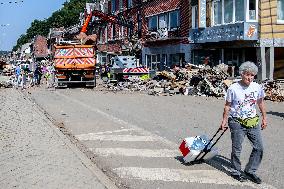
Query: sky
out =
(16, 17)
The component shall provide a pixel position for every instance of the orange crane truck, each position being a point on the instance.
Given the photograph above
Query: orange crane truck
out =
(74, 64)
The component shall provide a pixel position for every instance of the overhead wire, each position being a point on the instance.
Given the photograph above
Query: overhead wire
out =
(10, 2)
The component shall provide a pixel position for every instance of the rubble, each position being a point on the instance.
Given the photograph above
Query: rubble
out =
(6, 81)
(187, 81)
(193, 80)
(274, 90)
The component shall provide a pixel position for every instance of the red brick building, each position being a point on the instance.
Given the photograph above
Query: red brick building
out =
(40, 50)
(159, 37)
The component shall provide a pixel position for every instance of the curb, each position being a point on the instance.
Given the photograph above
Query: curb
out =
(98, 173)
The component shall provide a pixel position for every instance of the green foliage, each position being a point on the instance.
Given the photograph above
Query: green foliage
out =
(65, 17)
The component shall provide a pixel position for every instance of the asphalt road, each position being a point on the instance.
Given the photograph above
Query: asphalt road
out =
(134, 138)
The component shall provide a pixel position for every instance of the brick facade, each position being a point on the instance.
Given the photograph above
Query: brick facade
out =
(178, 38)
(40, 47)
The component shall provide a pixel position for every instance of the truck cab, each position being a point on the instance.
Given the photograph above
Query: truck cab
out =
(123, 67)
(123, 62)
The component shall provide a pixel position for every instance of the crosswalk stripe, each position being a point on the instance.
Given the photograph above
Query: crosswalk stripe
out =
(117, 120)
(181, 175)
(135, 152)
(123, 138)
(114, 131)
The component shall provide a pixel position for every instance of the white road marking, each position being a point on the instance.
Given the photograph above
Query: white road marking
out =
(118, 120)
(181, 175)
(114, 131)
(135, 152)
(123, 138)
(165, 174)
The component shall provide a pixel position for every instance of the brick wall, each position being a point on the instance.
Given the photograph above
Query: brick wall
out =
(40, 47)
(153, 7)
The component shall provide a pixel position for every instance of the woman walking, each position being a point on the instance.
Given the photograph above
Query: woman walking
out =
(241, 115)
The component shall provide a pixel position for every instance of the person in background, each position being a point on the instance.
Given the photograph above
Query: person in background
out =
(24, 73)
(44, 72)
(206, 62)
(37, 75)
(18, 75)
(241, 115)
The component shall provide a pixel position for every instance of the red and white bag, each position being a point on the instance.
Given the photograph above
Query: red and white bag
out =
(190, 154)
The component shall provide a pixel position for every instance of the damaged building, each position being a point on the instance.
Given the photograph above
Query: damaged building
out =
(231, 32)
(162, 34)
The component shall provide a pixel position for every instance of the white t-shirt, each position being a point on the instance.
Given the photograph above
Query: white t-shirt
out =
(244, 99)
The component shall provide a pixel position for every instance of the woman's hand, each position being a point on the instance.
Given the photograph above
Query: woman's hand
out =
(223, 125)
(263, 123)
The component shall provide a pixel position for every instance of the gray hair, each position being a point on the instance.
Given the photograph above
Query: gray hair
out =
(248, 67)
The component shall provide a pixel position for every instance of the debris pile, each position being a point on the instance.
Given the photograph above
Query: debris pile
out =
(193, 80)
(6, 81)
(186, 81)
(274, 90)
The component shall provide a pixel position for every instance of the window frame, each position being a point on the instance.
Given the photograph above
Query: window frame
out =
(129, 4)
(101, 37)
(177, 20)
(120, 5)
(247, 11)
(150, 63)
(113, 6)
(106, 34)
(121, 32)
(113, 32)
(156, 27)
(233, 14)
(194, 22)
(213, 15)
(244, 12)
(167, 16)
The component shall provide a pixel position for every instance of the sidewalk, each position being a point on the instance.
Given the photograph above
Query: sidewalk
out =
(35, 154)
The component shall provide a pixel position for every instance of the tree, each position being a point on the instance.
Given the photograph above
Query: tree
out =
(65, 17)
